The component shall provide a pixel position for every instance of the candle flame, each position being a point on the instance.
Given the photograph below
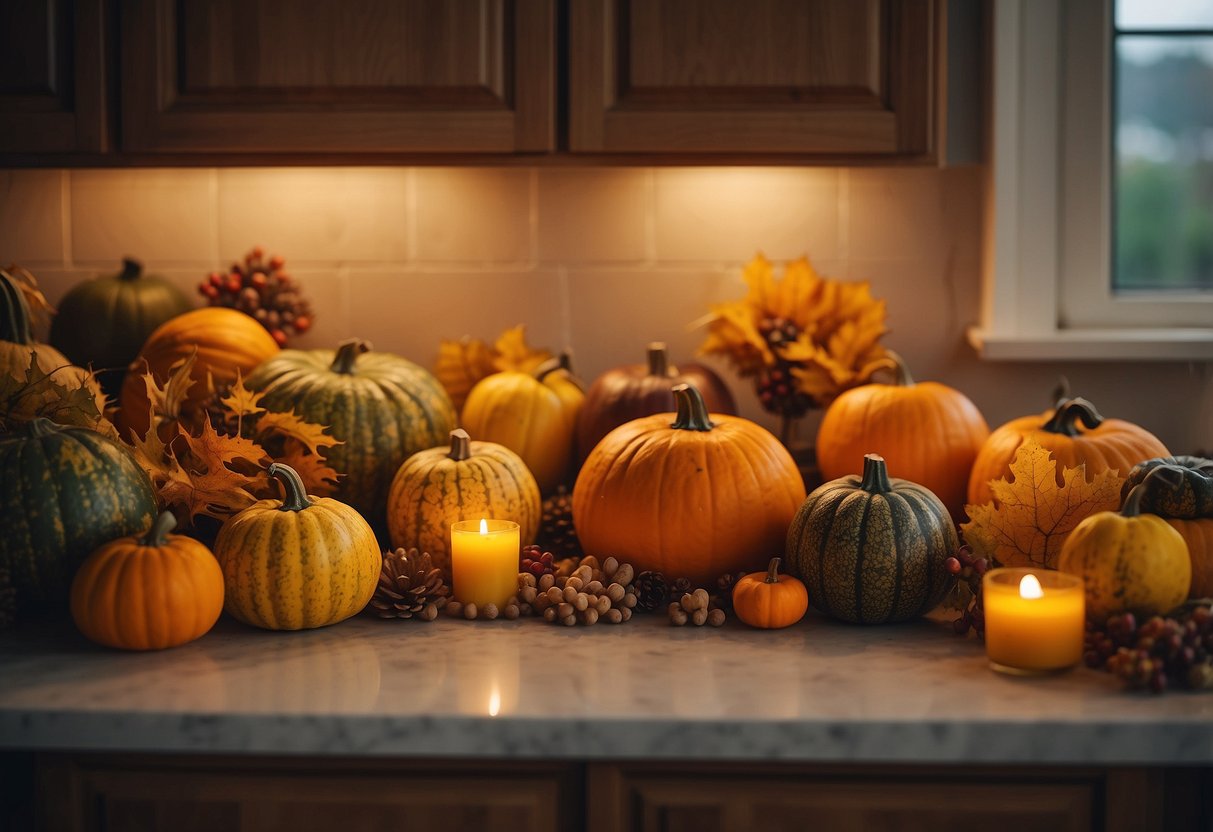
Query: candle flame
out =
(1029, 587)
(484, 526)
(494, 701)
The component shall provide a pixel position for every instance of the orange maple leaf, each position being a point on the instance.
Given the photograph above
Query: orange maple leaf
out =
(1031, 515)
(211, 447)
(290, 426)
(319, 479)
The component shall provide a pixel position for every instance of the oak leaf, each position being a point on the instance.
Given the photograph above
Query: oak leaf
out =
(289, 425)
(319, 479)
(241, 401)
(1031, 515)
(39, 393)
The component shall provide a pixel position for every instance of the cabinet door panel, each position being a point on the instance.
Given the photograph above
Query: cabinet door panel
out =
(313, 76)
(52, 76)
(806, 77)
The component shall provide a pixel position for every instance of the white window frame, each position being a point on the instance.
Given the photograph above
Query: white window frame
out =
(1047, 289)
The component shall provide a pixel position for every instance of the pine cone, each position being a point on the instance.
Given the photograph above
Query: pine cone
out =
(680, 587)
(410, 586)
(556, 532)
(651, 591)
(8, 600)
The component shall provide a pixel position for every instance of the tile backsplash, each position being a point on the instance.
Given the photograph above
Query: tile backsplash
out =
(601, 259)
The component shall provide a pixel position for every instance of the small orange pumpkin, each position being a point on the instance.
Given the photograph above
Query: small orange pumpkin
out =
(1100, 444)
(1198, 534)
(928, 433)
(770, 600)
(150, 592)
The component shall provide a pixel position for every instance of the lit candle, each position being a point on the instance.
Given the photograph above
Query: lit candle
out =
(484, 561)
(1034, 620)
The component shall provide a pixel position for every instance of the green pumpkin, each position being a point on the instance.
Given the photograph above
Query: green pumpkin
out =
(104, 321)
(871, 549)
(67, 491)
(382, 407)
(1184, 491)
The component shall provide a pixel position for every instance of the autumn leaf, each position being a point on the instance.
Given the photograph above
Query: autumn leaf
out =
(165, 401)
(217, 492)
(511, 352)
(38, 393)
(290, 426)
(319, 479)
(1031, 515)
(241, 401)
(213, 447)
(39, 308)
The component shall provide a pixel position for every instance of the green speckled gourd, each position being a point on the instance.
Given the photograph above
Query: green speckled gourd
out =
(872, 549)
(1185, 495)
(66, 492)
(466, 481)
(382, 407)
(299, 562)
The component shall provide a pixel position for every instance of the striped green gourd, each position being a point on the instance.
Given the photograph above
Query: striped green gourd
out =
(66, 492)
(872, 549)
(382, 407)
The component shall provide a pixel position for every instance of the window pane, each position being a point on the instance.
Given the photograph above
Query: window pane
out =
(1164, 163)
(1168, 14)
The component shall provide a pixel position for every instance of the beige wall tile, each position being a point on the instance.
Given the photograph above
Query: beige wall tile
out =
(410, 312)
(315, 215)
(31, 217)
(726, 215)
(913, 212)
(473, 215)
(161, 216)
(589, 215)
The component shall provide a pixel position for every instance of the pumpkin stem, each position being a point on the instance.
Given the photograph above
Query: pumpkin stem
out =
(14, 311)
(1173, 476)
(773, 571)
(1071, 411)
(659, 360)
(1062, 392)
(692, 412)
(294, 494)
(40, 427)
(161, 526)
(901, 373)
(132, 269)
(347, 354)
(461, 445)
(875, 475)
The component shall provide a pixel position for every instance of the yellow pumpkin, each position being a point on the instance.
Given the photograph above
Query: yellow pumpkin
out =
(465, 481)
(149, 592)
(687, 494)
(297, 563)
(534, 415)
(1129, 562)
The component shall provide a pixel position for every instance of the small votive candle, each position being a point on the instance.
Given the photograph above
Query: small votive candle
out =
(484, 561)
(1033, 620)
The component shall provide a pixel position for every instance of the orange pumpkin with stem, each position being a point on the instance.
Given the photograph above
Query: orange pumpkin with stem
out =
(927, 432)
(1075, 434)
(149, 592)
(769, 600)
(687, 494)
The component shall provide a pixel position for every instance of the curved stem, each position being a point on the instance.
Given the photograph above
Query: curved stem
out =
(40, 427)
(295, 495)
(1173, 477)
(659, 360)
(161, 526)
(461, 445)
(132, 269)
(347, 355)
(564, 361)
(692, 412)
(1068, 413)
(773, 571)
(14, 311)
(875, 475)
(901, 373)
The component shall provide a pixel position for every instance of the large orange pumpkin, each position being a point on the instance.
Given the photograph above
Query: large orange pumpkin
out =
(928, 433)
(687, 494)
(1075, 434)
(534, 415)
(228, 342)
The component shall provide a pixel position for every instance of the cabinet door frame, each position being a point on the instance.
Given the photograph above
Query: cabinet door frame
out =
(58, 120)
(157, 119)
(906, 128)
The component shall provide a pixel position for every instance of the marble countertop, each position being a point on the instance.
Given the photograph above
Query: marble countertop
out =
(819, 691)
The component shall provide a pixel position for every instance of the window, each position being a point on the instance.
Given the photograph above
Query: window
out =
(1059, 281)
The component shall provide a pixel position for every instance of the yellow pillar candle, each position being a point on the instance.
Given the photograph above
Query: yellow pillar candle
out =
(484, 561)
(1034, 620)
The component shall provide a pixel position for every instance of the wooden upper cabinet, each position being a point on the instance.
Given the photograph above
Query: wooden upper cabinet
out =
(358, 76)
(854, 78)
(52, 78)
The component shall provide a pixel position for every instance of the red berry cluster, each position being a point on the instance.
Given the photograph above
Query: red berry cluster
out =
(1175, 651)
(776, 386)
(261, 288)
(536, 561)
(969, 569)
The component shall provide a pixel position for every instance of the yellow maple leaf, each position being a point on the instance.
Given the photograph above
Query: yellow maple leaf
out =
(242, 402)
(511, 352)
(289, 425)
(1031, 515)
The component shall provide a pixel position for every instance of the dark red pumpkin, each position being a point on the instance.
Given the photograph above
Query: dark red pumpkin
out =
(635, 390)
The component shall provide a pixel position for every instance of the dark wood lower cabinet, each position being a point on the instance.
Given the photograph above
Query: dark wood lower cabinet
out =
(133, 793)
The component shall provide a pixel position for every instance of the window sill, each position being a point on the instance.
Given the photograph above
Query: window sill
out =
(1095, 345)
